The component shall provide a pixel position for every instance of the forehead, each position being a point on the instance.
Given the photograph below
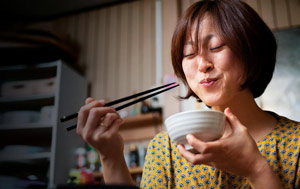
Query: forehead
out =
(203, 29)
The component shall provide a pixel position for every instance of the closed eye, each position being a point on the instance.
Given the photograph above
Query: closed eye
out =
(188, 55)
(216, 48)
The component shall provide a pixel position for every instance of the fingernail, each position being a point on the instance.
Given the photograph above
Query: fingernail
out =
(188, 137)
(228, 110)
(180, 148)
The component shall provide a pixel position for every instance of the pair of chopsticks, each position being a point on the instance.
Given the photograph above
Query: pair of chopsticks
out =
(167, 86)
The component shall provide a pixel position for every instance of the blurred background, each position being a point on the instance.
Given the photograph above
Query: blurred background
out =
(56, 53)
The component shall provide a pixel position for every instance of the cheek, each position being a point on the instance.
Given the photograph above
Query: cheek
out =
(233, 67)
(189, 69)
(238, 72)
(225, 61)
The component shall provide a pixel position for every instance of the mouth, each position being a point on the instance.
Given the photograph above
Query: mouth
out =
(208, 81)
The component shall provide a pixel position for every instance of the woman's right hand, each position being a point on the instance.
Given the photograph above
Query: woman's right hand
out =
(98, 126)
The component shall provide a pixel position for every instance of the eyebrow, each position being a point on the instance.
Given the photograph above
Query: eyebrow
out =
(206, 39)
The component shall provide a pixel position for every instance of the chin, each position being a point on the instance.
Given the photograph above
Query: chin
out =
(213, 101)
(210, 104)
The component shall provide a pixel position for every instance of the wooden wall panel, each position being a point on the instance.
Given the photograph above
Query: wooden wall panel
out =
(135, 47)
(140, 43)
(98, 85)
(267, 13)
(147, 54)
(281, 14)
(81, 36)
(294, 7)
(170, 15)
(91, 44)
(70, 26)
(124, 69)
(59, 27)
(184, 5)
(169, 20)
(117, 47)
(255, 5)
(113, 53)
(152, 44)
(278, 14)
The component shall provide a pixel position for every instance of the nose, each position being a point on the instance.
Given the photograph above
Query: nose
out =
(204, 65)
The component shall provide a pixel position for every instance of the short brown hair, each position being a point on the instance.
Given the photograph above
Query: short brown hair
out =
(242, 30)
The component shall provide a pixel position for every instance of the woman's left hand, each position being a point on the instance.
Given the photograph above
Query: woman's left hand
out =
(236, 153)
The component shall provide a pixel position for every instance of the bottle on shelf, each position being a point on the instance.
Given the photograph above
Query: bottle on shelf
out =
(142, 154)
(92, 158)
(81, 159)
(133, 156)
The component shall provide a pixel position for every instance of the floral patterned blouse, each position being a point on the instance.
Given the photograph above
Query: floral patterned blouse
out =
(166, 168)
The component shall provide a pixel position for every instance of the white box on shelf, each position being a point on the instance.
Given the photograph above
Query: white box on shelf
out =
(21, 117)
(47, 114)
(28, 87)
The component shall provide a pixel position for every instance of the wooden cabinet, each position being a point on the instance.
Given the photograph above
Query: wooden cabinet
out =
(41, 150)
(141, 127)
(133, 171)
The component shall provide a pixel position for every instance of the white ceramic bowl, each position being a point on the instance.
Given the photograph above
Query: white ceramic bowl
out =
(207, 125)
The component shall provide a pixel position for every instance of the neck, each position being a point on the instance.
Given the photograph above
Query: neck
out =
(249, 114)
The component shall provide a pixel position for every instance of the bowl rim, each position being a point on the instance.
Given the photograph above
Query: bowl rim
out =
(190, 111)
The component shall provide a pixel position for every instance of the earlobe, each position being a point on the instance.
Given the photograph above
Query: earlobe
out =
(242, 79)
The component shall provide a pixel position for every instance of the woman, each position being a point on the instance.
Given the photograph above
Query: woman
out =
(225, 54)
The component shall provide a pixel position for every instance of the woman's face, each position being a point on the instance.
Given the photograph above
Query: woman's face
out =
(214, 73)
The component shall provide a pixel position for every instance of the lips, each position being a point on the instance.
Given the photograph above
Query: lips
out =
(208, 81)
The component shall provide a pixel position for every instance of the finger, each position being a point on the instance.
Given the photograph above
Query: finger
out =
(84, 112)
(98, 133)
(102, 132)
(94, 119)
(200, 146)
(195, 158)
(114, 128)
(89, 100)
(110, 118)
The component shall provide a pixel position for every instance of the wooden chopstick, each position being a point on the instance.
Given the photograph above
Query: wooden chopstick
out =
(127, 104)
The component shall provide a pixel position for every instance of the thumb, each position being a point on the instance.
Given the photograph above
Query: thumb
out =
(232, 119)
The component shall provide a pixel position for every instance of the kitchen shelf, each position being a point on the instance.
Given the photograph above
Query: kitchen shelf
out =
(58, 157)
(16, 99)
(25, 126)
(24, 157)
(142, 120)
(33, 137)
(29, 71)
(136, 170)
(35, 102)
(141, 127)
